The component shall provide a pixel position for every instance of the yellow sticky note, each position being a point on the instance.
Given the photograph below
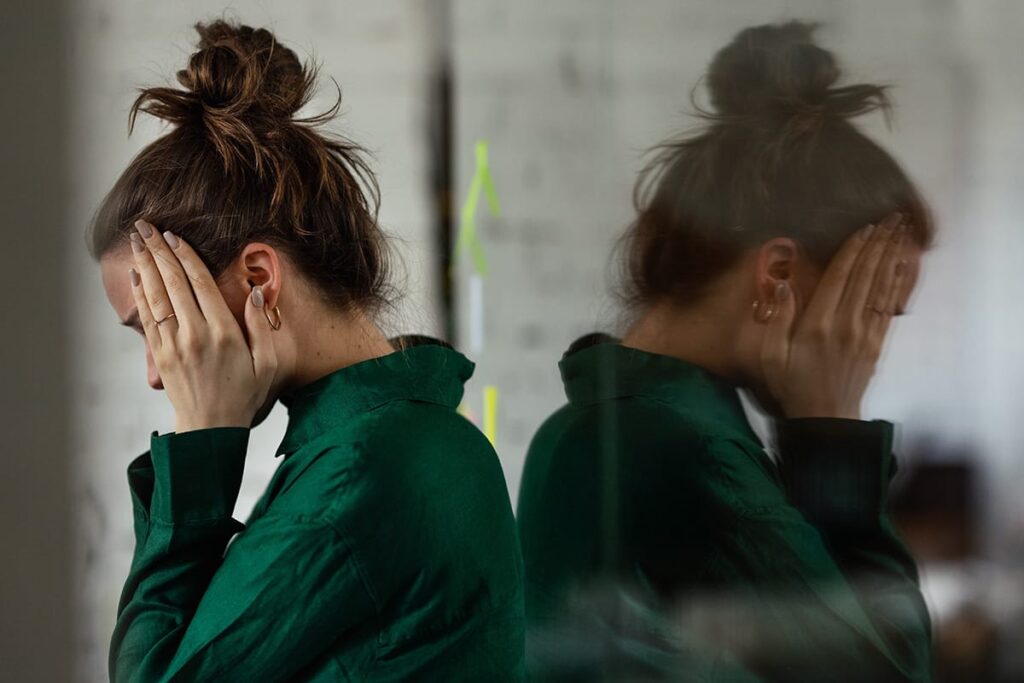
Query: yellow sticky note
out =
(491, 414)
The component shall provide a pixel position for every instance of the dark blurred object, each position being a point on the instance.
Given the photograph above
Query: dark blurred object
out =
(966, 647)
(935, 509)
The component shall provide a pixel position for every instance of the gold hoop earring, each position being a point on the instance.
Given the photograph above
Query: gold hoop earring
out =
(277, 312)
(763, 317)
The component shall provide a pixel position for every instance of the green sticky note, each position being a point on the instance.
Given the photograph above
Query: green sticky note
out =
(468, 238)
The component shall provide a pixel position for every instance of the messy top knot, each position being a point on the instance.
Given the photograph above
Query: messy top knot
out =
(238, 167)
(236, 72)
(776, 73)
(780, 156)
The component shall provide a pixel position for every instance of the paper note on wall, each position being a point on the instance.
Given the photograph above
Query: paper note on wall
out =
(468, 238)
(491, 414)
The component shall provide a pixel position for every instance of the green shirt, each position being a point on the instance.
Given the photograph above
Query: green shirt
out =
(383, 548)
(653, 522)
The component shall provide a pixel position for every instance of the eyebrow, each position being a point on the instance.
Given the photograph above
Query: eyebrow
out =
(132, 320)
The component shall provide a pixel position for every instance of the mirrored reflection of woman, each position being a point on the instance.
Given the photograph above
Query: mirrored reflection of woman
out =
(770, 252)
(243, 247)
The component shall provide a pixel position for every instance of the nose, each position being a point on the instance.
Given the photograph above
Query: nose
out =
(152, 376)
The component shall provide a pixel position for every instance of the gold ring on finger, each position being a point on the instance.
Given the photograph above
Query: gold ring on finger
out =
(165, 318)
(875, 309)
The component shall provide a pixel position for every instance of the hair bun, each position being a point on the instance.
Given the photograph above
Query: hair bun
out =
(777, 71)
(237, 72)
(238, 68)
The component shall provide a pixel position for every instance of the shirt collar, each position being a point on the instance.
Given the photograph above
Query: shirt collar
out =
(427, 372)
(608, 370)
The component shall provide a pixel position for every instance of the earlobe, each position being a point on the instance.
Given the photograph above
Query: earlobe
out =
(763, 311)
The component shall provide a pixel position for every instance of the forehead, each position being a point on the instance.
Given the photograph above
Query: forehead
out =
(114, 270)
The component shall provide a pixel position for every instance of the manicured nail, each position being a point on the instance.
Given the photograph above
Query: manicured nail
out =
(137, 245)
(134, 277)
(172, 240)
(257, 296)
(144, 228)
(781, 290)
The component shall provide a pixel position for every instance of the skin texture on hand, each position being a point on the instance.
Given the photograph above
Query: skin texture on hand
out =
(212, 374)
(820, 364)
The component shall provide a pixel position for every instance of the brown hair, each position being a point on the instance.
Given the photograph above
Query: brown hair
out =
(778, 157)
(238, 167)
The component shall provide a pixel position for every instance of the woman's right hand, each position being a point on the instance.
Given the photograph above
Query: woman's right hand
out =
(820, 365)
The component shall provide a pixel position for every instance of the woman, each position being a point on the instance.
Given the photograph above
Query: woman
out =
(651, 518)
(243, 247)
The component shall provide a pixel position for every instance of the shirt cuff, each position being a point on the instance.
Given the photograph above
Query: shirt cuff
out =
(197, 474)
(836, 471)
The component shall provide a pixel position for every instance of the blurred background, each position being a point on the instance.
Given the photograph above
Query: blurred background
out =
(567, 96)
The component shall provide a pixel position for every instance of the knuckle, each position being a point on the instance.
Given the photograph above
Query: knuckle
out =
(819, 332)
(175, 284)
(221, 340)
(189, 342)
(846, 334)
(199, 285)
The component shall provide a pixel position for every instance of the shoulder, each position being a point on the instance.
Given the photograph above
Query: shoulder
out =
(627, 422)
(401, 458)
(646, 439)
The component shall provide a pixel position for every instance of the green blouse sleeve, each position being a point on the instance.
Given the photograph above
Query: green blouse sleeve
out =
(836, 472)
(189, 611)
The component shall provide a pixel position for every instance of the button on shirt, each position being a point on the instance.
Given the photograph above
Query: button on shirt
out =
(383, 548)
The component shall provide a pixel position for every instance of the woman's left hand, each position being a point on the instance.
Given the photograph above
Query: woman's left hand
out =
(212, 375)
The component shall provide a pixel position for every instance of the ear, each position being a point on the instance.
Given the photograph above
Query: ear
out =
(776, 261)
(260, 264)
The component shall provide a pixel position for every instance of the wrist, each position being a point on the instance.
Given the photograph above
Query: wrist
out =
(191, 425)
(822, 410)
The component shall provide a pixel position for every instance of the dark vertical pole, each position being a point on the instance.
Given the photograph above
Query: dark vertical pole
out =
(442, 169)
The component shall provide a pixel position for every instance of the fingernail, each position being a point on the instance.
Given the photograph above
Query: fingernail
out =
(144, 228)
(137, 245)
(134, 277)
(257, 296)
(901, 266)
(172, 240)
(868, 231)
(781, 290)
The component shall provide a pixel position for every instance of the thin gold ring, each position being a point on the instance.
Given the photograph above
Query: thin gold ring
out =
(165, 318)
(876, 310)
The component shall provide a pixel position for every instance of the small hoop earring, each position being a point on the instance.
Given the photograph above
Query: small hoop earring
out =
(277, 311)
(763, 317)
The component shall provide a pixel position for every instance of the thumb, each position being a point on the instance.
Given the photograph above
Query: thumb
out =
(778, 335)
(258, 327)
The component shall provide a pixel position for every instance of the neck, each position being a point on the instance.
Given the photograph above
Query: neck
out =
(698, 334)
(328, 341)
